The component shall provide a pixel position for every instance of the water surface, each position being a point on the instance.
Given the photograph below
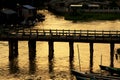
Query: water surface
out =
(59, 68)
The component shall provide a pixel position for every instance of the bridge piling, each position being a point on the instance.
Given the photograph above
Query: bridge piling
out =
(32, 49)
(71, 36)
(91, 56)
(13, 49)
(111, 54)
(71, 50)
(51, 50)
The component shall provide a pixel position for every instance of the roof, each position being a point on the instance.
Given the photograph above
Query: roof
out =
(81, 5)
(76, 5)
(28, 7)
(93, 5)
(8, 11)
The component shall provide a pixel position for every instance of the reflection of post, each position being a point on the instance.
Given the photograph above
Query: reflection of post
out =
(71, 45)
(51, 68)
(91, 56)
(71, 66)
(32, 49)
(32, 66)
(51, 50)
(13, 66)
(13, 49)
(111, 54)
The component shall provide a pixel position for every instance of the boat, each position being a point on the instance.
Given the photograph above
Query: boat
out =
(82, 76)
(111, 70)
(92, 11)
(92, 76)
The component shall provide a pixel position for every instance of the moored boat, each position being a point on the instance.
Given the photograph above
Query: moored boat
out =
(92, 11)
(111, 70)
(92, 76)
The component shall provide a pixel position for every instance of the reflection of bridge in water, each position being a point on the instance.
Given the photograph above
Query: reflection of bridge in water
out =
(71, 36)
(32, 69)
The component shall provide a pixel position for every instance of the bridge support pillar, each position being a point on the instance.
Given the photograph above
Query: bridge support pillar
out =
(51, 50)
(32, 49)
(13, 49)
(71, 50)
(111, 54)
(91, 57)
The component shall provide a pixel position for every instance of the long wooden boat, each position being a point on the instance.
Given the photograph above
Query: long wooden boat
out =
(91, 11)
(91, 76)
(111, 70)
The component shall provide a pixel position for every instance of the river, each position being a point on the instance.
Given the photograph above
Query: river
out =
(59, 68)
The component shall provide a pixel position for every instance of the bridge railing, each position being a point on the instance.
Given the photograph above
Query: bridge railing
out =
(56, 32)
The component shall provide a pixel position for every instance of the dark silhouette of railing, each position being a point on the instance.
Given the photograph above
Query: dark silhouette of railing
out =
(61, 35)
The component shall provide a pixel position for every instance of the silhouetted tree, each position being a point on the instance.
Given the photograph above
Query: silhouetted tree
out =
(113, 3)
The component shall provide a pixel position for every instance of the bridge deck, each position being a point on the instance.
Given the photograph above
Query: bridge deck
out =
(97, 36)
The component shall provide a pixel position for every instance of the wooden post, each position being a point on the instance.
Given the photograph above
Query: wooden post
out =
(111, 54)
(51, 50)
(13, 49)
(32, 49)
(91, 56)
(32, 55)
(71, 49)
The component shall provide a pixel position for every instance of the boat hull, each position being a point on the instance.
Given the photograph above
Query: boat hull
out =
(111, 70)
(91, 76)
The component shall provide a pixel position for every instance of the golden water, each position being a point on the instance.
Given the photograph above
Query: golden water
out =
(59, 68)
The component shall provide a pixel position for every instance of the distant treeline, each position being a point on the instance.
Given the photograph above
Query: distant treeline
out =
(13, 3)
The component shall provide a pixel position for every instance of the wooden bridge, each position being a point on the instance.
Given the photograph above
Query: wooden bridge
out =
(95, 36)
(71, 36)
